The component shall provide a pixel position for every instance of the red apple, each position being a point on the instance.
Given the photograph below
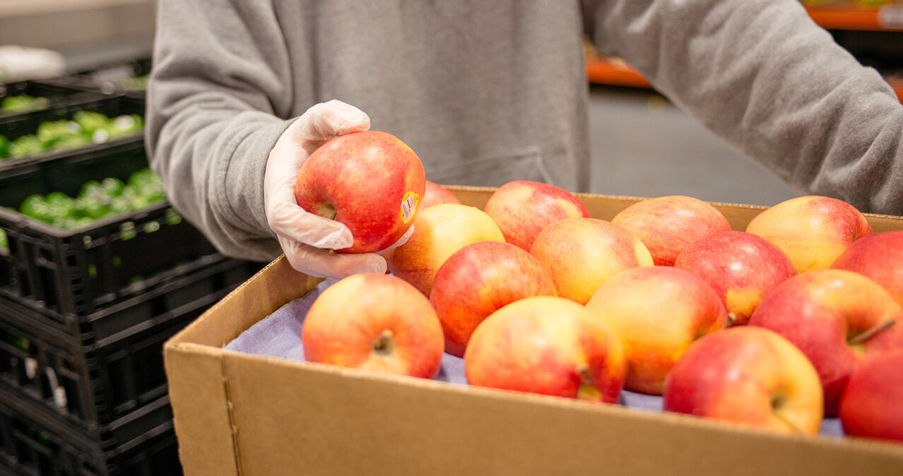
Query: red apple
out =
(478, 280)
(813, 231)
(872, 405)
(657, 313)
(877, 256)
(522, 209)
(439, 231)
(436, 195)
(545, 345)
(742, 268)
(369, 181)
(750, 376)
(374, 322)
(831, 315)
(584, 253)
(666, 225)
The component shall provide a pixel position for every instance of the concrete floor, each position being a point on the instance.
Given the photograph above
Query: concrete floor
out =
(643, 145)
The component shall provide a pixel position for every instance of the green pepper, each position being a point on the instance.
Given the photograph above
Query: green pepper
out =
(91, 121)
(4, 147)
(23, 102)
(36, 207)
(92, 207)
(61, 205)
(112, 186)
(49, 133)
(122, 126)
(25, 146)
(71, 141)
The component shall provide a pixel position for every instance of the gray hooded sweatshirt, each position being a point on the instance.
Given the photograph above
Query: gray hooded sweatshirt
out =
(488, 91)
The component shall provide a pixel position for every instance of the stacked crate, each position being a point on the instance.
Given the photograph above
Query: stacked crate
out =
(84, 312)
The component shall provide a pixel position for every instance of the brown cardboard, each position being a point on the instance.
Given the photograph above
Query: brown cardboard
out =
(247, 415)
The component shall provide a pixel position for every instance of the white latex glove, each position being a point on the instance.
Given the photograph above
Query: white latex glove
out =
(308, 239)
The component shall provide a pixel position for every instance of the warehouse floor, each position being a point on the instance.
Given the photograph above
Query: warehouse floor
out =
(643, 145)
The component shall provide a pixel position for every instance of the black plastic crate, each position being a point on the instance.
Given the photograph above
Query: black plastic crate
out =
(110, 363)
(109, 79)
(56, 94)
(80, 271)
(32, 445)
(13, 127)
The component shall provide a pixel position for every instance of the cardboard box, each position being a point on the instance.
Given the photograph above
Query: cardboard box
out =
(239, 414)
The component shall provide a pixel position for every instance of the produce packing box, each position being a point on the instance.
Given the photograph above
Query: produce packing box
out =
(245, 414)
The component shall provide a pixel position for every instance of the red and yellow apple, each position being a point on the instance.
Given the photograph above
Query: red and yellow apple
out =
(523, 208)
(584, 253)
(879, 257)
(742, 268)
(436, 194)
(478, 280)
(439, 232)
(545, 345)
(369, 181)
(750, 376)
(813, 231)
(374, 322)
(872, 405)
(657, 313)
(666, 225)
(836, 318)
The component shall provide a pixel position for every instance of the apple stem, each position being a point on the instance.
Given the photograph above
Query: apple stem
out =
(731, 319)
(384, 342)
(865, 336)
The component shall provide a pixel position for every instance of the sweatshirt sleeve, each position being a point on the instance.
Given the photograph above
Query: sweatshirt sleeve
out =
(764, 77)
(220, 81)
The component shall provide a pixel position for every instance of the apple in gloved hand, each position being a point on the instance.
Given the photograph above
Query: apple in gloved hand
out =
(436, 194)
(837, 318)
(750, 376)
(478, 280)
(545, 345)
(666, 225)
(813, 231)
(369, 181)
(522, 209)
(374, 322)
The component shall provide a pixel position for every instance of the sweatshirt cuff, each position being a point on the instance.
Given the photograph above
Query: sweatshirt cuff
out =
(243, 173)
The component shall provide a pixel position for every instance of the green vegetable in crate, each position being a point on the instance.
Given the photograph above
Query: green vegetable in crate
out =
(112, 186)
(4, 241)
(23, 102)
(49, 133)
(61, 205)
(122, 126)
(137, 83)
(70, 142)
(36, 207)
(4, 147)
(25, 146)
(91, 122)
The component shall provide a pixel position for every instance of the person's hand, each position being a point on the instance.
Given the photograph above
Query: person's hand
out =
(308, 239)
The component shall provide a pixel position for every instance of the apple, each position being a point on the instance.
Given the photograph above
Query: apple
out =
(439, 232)
(666, 225)
(545, 345)
(436, 194)
(872, 405)
(878, 257)
(523, 208)
(374, 322)
(657, 312)
(478, 280)
(750, 376)
(813, 231)
(742, 268)
(836, 318)
(369, 181)
(584, 253)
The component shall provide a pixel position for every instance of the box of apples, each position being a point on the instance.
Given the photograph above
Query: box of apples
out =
(752, 324)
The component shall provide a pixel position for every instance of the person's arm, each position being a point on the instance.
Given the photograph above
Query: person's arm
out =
(763, 76)
(221, 77)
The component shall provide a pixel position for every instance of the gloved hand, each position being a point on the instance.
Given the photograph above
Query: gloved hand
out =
(308, 239)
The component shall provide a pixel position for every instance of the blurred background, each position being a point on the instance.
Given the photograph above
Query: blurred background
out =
(90, 284)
